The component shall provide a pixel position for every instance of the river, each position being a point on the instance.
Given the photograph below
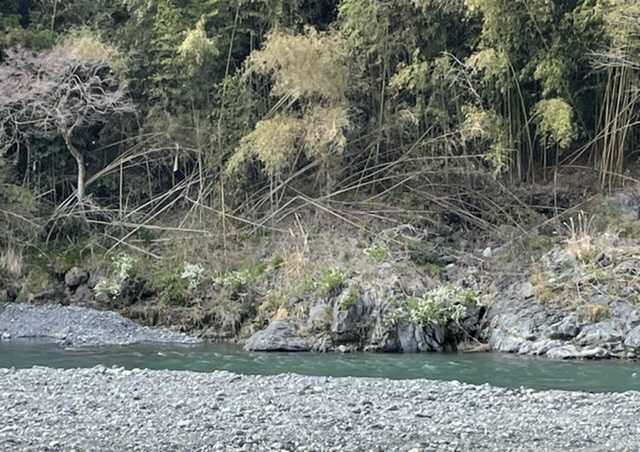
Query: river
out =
(497, 369)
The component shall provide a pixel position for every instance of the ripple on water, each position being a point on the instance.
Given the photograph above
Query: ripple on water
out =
(497, 369)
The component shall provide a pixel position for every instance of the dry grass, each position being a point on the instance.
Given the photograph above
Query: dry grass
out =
(580, 240)
(12, 261)
(594, 313)
(296, 261)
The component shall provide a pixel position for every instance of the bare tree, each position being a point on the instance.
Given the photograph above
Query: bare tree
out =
(60, 92)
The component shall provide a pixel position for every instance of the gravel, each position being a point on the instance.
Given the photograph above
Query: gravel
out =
(77, 327)
(142, 410)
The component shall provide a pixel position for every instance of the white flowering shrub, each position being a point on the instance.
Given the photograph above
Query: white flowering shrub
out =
(108, 287)
(193, 274)
(123, 266)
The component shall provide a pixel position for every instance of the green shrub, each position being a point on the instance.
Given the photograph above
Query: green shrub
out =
(171, 289)
(438, 307)
(378, 253)
(239, 280)
(332, 282)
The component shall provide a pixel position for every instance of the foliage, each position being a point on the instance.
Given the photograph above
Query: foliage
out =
(122, 269)
(241, 280)
(556, 122)
(379, 253)
(438, 307)
(197, 48)
(350, 300)
(12, 261)
(332, 282)
(193, 274)
(487, 127)
(60, 93)
(310, 65)
(171, 288)
(273, 142)
(237, 102)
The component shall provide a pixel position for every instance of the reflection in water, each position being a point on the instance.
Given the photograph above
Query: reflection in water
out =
(496, 369)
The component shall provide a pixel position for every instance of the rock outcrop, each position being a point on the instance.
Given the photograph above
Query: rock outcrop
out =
(518, 324)
(279, 336)
(364, 316)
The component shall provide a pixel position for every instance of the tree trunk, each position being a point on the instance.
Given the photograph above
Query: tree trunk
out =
(82, 171)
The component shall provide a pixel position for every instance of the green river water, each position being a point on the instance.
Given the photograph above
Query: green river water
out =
(496, 369)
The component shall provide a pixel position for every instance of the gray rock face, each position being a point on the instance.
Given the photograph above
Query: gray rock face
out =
(565, 329)
(518, 324)
(75, 277)
(599, 333)
(349, 318)
(79, 327)
(279, 336)
(633, 339)
(538, 348)
(416, 338)
(626, 316)
(320, 315)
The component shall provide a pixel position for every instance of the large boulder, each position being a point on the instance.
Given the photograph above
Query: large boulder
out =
(279, 336)
(75, 277)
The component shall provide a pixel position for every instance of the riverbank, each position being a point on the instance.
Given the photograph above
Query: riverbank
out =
(566, 291)
(115, 409)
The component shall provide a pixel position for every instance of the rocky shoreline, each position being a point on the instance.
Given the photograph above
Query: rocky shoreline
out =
(117, 409)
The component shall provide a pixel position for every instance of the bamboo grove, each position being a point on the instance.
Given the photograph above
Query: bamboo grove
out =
(234, 107)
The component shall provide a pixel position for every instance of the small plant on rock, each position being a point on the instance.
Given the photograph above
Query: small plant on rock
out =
(594, 313)
(351, 299)
(332, 282)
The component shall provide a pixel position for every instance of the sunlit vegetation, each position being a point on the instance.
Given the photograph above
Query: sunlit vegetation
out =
(222, 119)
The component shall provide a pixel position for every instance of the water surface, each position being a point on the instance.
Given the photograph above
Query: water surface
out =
(494, 368)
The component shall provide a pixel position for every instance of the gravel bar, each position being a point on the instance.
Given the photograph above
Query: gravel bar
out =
(79, 327)
(44, 409)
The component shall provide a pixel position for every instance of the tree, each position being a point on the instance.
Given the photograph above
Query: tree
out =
(63, 92)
